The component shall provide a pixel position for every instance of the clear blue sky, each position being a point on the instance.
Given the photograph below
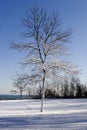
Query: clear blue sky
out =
(73, 13)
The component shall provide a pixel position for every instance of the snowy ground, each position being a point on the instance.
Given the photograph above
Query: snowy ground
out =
(59, 114)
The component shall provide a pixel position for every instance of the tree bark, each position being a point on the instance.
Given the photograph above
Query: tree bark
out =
(43, 92)
(21, 94)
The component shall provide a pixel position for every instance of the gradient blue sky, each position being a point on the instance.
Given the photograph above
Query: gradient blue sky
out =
(73, 13)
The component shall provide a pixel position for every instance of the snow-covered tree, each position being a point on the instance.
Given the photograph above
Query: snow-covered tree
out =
(45, 45)
(20, 83)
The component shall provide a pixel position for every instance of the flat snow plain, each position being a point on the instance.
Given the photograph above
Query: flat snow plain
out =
(59, 114)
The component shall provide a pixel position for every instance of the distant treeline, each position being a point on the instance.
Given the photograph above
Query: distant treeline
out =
(68, 88)
(65, 87)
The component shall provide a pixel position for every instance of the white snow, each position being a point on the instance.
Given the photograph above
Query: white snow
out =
(59, 114)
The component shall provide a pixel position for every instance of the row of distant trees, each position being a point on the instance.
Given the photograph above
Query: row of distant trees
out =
(67, 87)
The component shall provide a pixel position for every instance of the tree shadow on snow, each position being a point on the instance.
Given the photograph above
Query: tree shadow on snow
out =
(40, 122)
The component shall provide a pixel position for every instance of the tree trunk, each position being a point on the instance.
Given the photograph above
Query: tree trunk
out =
(21, 94)
(43, 93)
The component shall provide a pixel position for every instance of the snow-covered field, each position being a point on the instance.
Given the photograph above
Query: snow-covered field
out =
(59, 114)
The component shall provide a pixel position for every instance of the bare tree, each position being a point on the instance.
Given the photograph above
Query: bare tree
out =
(20, 82)
(46, 44)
